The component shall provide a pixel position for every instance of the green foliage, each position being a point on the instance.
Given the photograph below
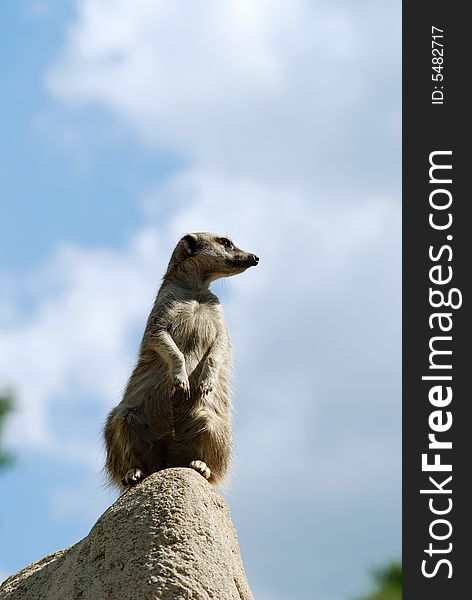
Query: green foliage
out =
(6, 407)
(388, 583)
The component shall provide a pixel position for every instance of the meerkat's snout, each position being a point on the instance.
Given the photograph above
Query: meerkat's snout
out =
(245, 260)
(250, 260)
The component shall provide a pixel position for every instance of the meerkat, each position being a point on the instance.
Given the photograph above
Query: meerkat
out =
(176, 410)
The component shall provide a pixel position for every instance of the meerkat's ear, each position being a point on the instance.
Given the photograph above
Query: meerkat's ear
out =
(190, 243)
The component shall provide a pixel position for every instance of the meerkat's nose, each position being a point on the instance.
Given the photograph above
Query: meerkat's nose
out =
(255, 259)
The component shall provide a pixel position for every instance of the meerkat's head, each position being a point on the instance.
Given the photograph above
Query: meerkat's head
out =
(209, 257)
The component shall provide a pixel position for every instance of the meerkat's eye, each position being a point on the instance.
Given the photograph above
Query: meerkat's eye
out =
(226, 243)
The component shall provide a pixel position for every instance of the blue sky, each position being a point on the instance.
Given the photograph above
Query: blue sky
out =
(276, 124)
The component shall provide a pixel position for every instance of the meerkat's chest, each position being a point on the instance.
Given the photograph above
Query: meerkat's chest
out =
(196, 323)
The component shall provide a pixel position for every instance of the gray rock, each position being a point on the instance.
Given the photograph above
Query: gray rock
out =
(169, 538)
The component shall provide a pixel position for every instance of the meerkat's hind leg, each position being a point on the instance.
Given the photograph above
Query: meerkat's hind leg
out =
(201, 467)
(132, 477)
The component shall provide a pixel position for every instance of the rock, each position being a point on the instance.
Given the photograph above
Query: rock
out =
(169, 538)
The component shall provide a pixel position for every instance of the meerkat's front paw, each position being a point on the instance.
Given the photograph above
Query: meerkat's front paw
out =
(201, 468)
(205, 388)
(132, 477)
(181, 384)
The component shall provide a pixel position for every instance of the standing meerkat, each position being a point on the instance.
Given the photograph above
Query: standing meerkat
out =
(175, 410)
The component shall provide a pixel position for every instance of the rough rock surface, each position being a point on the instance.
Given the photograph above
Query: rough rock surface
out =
(169, 538)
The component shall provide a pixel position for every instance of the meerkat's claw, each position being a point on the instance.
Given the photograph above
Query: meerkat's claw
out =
(205, 388)
(200, 467)
(182, 385)
(132, 477)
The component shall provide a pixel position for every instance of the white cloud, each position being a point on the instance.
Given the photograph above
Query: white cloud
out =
(292, 89)
(74, 338)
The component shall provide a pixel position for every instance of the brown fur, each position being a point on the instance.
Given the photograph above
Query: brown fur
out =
(175, 411)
